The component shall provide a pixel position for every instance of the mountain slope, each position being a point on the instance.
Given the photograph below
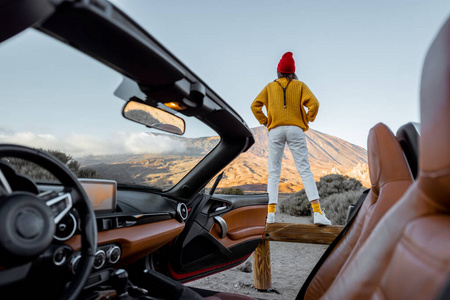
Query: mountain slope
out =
(327, 154)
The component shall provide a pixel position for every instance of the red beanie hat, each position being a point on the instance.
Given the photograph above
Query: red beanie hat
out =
(286, 64)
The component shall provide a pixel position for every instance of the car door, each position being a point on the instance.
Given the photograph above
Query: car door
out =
(222, 231)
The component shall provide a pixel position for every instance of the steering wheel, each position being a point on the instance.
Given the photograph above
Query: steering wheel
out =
(28, 221)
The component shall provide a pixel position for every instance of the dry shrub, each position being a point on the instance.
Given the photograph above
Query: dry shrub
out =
(296, 205)
(38, 173)
(336, 184)
(336, 205)
(231, 191)
(336, 193)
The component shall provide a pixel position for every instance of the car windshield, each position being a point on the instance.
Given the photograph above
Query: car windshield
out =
(60, 100)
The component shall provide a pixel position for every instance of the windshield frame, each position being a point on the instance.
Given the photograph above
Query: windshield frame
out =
(157, 72)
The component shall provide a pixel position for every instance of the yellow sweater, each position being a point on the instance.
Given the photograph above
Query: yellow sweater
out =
(298, 96)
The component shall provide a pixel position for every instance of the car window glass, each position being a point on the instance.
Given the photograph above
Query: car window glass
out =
(59, 100)
(238, 179)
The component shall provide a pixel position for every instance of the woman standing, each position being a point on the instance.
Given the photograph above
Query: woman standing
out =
(285, 100)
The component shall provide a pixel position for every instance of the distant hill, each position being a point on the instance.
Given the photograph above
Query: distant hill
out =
(327, 154)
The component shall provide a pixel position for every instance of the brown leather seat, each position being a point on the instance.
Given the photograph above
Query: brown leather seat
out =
(407, 255)
(390, 177)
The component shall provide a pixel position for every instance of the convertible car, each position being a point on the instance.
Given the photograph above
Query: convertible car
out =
(112, 150)
(155, 138)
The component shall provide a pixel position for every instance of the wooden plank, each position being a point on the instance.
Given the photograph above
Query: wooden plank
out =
(262, 278)
(301, 233)
(287, 232)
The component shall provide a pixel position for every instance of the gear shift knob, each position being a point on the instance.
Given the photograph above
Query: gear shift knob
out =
(119, 280)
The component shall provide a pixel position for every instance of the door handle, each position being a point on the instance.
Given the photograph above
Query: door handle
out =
(220, 208)
(223, 226)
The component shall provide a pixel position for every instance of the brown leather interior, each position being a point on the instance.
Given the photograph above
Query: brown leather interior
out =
(136, 241)
(244, 224)
(407, 255)
(243, 232)
(390, 177)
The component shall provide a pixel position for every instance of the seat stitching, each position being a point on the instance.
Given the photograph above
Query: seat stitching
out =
(397, 180)
(422, 253)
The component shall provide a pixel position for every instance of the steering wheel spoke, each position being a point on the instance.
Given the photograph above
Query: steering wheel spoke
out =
(5, 188)
(59, 203)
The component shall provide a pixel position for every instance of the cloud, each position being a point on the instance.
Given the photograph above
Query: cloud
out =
(79, 145)
(29, 139)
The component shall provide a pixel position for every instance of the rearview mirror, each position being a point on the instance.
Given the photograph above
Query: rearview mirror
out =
(153, 117)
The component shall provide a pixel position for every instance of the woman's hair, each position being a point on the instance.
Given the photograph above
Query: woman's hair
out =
(289, 76)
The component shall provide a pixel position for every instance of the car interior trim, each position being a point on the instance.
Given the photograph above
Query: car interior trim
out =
(137, 241)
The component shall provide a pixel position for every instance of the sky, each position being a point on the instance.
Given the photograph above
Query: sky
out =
(362, 60)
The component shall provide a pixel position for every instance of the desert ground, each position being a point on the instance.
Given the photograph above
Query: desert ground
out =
(290, 265)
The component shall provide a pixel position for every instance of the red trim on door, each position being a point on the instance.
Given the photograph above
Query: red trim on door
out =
(178, 276)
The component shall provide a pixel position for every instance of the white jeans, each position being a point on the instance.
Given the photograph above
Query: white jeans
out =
(295, 138)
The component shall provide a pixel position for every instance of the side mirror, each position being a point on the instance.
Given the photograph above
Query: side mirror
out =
(153, 117)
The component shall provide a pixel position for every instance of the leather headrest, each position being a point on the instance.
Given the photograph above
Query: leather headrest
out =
(387, 162)
(435, 119)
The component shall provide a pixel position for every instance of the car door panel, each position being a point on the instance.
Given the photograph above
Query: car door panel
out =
(244, 223)
(221, 232)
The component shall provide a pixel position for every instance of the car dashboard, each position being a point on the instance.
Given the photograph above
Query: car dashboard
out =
(119, 225)
(131, 224)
